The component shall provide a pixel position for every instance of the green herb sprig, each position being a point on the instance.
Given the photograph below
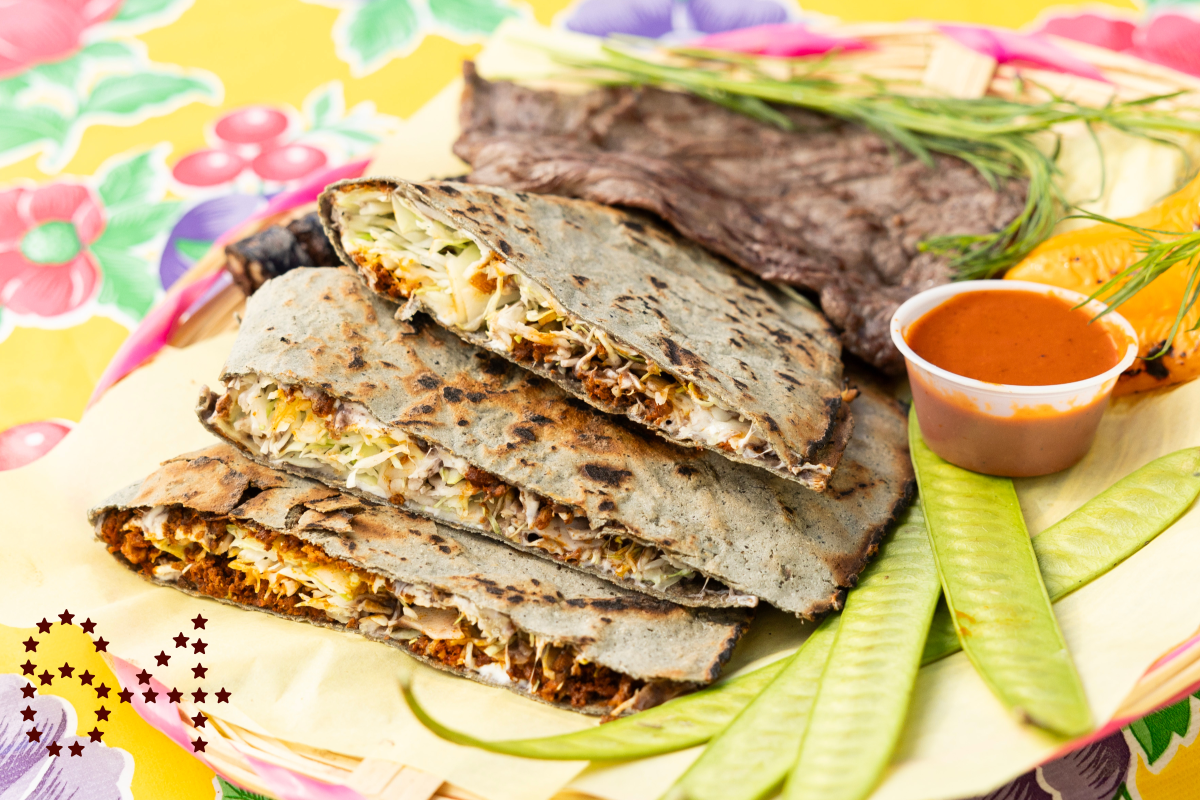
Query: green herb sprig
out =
(1160, 251)
(998, 137)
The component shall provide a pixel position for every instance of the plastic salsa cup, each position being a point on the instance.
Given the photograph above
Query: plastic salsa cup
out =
(1000, 429)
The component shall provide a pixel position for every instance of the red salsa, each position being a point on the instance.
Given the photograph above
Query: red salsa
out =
(1013, 337)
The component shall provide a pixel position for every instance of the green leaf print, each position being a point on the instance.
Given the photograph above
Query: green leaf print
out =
(470, 16)
(132, 10)
(231, 792)
(107, 51)
(131, 225)
(129, 282)
(131, 94)
(24, 126)
(377, 31)
(128, 182)
(1154, 731)
(193, 249)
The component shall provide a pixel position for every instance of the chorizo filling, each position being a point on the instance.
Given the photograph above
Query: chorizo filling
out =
(236, 560)
(341, 439)
(410, 257)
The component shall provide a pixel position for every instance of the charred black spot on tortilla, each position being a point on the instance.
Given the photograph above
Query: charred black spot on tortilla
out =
(516, 598)
(357, 361)
(326, 296)
(452, 395)
(474, 209)
(522, 196)
(423, 409)
(538, 419)
(462, 423)
(492, 365)
(420, 188)
(740, 385)
(271, 328)
(607, 505)
(634, 226)
(496, 590)
(609, 476)
(576, 602)
(509, 446)
(427, 381)
(580, 281)
(499, 217)
(686, 471)
(657, 283)
(505, 247)
(624, 299)
(788, 378)
(475, 397)
(525, 434)
(672, 351)
(772, 425)
(450, 190)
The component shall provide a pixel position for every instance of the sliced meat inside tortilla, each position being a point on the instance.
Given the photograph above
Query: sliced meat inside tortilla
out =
(322, 381)
(614, 308)
(215, 524)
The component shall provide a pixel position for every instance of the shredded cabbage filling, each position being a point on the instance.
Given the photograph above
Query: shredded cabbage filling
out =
(282, 573)
(409, 256)
(308, 428)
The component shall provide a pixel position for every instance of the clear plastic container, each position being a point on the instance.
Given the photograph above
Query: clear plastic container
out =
(998, 429)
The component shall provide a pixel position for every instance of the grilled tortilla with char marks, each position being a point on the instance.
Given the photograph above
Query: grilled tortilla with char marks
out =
(422, 420)
(216, 524)
(614, 308)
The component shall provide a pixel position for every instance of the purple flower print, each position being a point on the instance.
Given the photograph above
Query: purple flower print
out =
(679, 19)
(715, 16)
(196, 230)
(28, 770)
(1093, 772)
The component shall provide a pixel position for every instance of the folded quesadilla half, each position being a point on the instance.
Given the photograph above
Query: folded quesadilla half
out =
(612, 307)
(215, 524)
(323, 382)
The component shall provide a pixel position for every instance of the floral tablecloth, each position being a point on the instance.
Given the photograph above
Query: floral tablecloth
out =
(134, 133)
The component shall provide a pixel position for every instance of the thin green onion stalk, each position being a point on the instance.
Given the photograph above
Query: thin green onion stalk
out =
(998, 137)
(1160, 251)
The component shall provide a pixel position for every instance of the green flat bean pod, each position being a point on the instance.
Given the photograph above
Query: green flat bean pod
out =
(995, 594)
(868, 681)
(1100, 534)
(1166, 488)
(675, 725)
(751, 757)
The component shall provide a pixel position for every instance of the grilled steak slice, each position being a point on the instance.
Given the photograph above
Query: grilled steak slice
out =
(829, 207)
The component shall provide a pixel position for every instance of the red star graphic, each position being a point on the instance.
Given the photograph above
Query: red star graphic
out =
(125, 695)
(76, 749)
(162, 658)
(102, 714)
(28, 690)
(198, 622)
(27, 714)
(143, 677)
(150, 695)
(222, 696)
(102, 691)
(55, 748)
(198, 746)
(175, 695)
(30, 645)
(199, 671)
(28, 667)
(34, 735)
(88, 626)
(199, 695)
(94, 734)
(46, 678)
(66, 670)
(85, 678)
(44, 626)
(101, 645)
(180, 641)
(199, 720)
(198, 646)
(66, 617)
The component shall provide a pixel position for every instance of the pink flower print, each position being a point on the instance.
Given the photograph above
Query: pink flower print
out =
(45, 266)
(35, 32)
